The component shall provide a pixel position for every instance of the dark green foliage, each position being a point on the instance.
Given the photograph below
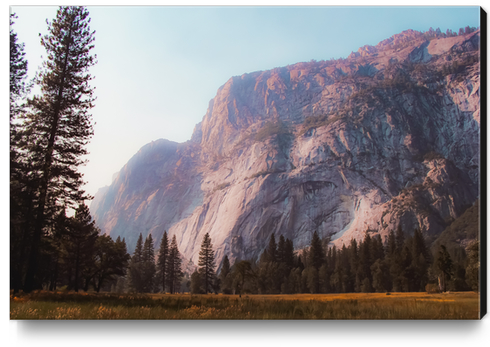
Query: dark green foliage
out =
(206, 263)
(464, 228)
(51, 137)
(148, 268)
(111, 260)
(162, 263)
(473, 268)
(241, 274)
(380, 275)
(226, 280)
(281, 249)
(174, 267)
(142, 269)
(271, 254)
(444, 265)
(316, 253)
(313, 282)
(18, 71)
(289, 254)
(136, 267)
(78, 247)
(196, 283)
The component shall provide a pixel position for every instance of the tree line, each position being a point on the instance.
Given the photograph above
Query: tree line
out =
(147, 274)
(400, 264)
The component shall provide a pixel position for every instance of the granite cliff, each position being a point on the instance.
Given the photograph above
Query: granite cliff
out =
(390, 135)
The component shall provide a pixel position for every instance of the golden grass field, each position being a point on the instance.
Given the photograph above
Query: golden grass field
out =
(47, 305)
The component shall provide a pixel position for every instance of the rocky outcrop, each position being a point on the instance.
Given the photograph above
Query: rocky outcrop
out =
(388, 136)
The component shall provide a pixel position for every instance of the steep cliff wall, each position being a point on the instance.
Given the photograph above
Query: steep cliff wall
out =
(388, 136)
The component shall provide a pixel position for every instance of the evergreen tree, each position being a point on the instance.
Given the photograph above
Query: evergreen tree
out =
(241, 274)
(324, 279)
(281, 250)
(399, 239)
(148, 266)
(111, 260)
(59, 125)
(391, 244)
(206, 263)
(420, 261)
(313, 281)
(473, 268)
(225, 276)
(23, 194)
(444, 265)
(316, 253)
(162, 261)
(18, 72)
(407, 275)
(196, 284)
(136, 267)
(272, 249)
(289, 255)
(380, 276)
(79, 247)
(174, 267)
(365, 263)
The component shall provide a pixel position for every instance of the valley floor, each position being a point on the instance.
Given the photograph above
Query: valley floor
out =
(48, 305)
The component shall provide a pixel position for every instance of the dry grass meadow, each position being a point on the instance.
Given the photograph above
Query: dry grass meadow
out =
(47, 305)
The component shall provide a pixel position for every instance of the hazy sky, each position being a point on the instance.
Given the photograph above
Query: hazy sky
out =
(158, 67)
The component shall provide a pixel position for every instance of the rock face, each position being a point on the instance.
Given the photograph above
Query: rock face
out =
(388, 136)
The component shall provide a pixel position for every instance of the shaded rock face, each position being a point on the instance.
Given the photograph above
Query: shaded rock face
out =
(385, 137)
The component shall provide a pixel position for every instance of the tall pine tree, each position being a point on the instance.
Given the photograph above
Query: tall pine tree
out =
(206, 263)
(148, 268)
(22, 193)
(225, 276)
(162, 262)
(59, 124)
(136, 267)
(174, 267)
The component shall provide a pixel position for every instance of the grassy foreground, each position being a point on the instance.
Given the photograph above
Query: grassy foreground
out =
(47, 305)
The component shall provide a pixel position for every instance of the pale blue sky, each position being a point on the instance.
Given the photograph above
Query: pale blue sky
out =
(158, 67)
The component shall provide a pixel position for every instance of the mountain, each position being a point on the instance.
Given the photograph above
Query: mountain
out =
(388, 136)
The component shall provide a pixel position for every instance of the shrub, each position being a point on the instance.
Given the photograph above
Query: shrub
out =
(270, 129)
(432, 288)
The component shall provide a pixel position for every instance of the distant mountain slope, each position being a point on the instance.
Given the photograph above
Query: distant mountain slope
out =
(388, 136)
